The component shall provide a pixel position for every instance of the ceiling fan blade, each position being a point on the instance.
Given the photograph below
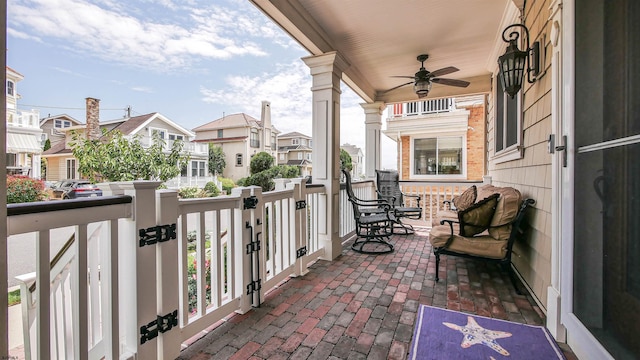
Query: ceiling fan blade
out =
(451, 82)
(399, 86)
(404, 77)
(444, 71)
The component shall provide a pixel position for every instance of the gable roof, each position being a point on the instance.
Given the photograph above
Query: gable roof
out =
(230, 121)
(58, 149)
(134, 124)
(293, 134)
(60, 116)
(15, 74)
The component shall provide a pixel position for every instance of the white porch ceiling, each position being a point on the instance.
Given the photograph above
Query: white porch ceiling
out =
(381, 38)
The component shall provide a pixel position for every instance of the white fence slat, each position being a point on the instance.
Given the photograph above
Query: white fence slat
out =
(80, 296)
(43, 295)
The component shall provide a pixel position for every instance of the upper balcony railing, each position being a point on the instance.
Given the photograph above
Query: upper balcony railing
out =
(24, 119)
(424, 107)
(193, 148)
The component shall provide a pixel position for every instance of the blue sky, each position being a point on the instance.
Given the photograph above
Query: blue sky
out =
(190, 60)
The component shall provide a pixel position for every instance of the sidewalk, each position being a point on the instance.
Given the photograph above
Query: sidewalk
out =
(16, 340)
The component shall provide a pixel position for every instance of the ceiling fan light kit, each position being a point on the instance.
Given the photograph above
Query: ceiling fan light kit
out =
(421, 88)
(512, 63)
(424, 79)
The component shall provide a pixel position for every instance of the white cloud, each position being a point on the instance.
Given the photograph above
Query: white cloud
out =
(143, 89)
(118, 31)
(22, 35)
(288, 88)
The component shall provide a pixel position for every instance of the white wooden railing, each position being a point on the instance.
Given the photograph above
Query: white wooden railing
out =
(136, 249)
(433, 194)
(424, 107)
(81, 317)
(191, 181)
(136, 255)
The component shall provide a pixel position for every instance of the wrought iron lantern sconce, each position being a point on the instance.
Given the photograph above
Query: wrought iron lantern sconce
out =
(512, 63)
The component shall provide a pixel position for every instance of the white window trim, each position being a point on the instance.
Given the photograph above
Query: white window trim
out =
(295, 142)
(66, 168)
(463, 175)
(164, 131)
(13, 88)
(63, 123)
(239, 155)
(176, 136)
(198, 168)
(515, 151)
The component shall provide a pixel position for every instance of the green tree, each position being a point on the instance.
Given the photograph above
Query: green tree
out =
(115, 158)
(217, 162)
(260, 162)
(43, 162)
(264, 179)
(345, 160)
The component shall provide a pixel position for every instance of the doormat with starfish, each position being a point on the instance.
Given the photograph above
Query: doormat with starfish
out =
(447, 334)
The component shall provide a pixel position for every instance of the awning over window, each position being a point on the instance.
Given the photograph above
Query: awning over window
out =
(23, 143)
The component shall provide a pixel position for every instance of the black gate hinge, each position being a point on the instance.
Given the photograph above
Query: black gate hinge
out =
(301, 252)
(254, 286)
(251, 202)
(156, 234)
(301, 204)
(253, 246)
(161, 324)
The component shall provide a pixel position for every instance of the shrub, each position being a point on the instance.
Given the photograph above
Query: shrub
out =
(211, 189)
(227, 184)
(260, 162)
(22, 189)
(188, 192)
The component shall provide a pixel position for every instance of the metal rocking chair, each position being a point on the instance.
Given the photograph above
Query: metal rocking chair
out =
(388, 188)
(374, 222)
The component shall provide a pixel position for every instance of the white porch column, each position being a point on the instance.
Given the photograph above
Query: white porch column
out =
(373, 125)
(326, 71)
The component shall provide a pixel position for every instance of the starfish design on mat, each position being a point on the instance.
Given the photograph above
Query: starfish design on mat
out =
(476, 334)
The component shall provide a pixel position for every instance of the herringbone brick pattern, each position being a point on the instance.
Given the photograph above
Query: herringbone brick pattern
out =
(364, 306)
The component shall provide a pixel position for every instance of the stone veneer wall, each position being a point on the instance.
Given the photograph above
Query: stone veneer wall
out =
(532, 173)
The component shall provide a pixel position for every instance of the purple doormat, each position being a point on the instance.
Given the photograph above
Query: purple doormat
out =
(447, 334)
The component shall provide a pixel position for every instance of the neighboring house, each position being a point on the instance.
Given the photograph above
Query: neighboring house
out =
(62, 165)
(357, 160)
(295, 149)
(240, 136)
(439, 139)
(52, 127)
(24, 137)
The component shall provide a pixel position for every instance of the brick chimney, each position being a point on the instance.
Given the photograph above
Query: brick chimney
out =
(93, 118)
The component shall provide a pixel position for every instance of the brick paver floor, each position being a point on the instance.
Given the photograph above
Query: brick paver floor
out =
(364, 306)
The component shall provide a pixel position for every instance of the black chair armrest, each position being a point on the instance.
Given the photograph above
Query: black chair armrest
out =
(450, 240)
(374, 202)
(417, 197)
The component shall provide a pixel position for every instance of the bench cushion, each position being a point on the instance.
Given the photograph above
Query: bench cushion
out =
(479, 245)
(466, 199)
(477, 217)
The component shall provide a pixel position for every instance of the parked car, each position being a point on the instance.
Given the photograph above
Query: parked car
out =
(72, 189)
